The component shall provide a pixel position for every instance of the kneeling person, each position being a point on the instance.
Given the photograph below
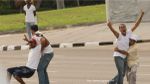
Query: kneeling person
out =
(31, 65)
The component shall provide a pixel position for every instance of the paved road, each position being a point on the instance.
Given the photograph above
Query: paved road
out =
(89, 65)
(92, 33)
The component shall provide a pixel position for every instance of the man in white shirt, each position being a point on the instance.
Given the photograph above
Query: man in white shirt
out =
(30, 16)
(32, 62)
(122, 43)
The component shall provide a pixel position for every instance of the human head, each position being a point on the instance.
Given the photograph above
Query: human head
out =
(133, 39)
(28, 1)
(123, 29)
(34, 28)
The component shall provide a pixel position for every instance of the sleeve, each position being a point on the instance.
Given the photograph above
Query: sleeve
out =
(33, 8)
(24, 8)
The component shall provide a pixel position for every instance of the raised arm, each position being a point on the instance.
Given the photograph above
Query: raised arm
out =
(109, 24)
(138, 21)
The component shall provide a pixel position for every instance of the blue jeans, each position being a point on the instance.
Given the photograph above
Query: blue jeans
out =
(42, 73)
(28, 29)
(121, 65)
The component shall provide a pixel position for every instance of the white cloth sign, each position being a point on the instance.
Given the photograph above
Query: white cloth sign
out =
(127, 10)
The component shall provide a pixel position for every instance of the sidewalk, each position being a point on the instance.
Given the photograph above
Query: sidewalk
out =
(94, 33)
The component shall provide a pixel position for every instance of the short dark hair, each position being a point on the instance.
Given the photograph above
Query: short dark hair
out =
(34, 28)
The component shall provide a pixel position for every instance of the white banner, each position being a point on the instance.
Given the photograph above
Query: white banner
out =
(127, 10)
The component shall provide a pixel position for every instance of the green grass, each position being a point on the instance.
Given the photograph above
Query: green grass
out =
(68, 16)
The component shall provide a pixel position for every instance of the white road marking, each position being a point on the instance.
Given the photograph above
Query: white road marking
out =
(143, 74)
(144, 65)
(5, 35)
(52, 71)
(99, 81)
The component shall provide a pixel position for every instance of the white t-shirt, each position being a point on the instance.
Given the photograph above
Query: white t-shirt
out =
(34, 54)
(48, 49)
(122, 43)
(29, 13)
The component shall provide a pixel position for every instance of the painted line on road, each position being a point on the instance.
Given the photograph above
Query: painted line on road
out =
(143, 74)
(98, 81)
(64, 45)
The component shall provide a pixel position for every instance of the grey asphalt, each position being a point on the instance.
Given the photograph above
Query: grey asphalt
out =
(94, 33)
(88, 65)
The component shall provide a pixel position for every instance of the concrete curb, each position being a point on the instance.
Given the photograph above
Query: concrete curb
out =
(64, 45)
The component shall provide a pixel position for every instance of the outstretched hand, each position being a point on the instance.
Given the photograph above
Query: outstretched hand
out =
(142, 12)
(109, 24)
(25, 38)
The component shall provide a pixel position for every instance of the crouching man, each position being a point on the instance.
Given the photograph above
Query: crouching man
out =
(33, 60)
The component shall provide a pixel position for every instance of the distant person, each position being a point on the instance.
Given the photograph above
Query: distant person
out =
(47, 55)
(122, 43)
(132, 60)
(33, 60)
(30, 16)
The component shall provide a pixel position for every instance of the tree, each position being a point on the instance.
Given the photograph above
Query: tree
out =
(20, 4)
(60, 4)
(78, 2)
(38, 3)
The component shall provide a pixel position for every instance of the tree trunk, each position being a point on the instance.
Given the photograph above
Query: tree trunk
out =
(38, 3)
(78, 3)
(60, 4)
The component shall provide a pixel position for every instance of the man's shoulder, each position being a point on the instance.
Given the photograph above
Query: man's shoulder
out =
(32, 5)
(24, 7)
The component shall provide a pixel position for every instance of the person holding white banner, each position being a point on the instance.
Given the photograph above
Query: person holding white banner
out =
(122, 43)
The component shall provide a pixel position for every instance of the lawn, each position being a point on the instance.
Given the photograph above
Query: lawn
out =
(53, 18)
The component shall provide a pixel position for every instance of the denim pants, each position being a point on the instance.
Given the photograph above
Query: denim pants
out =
(28, 29)
(42, 73)
(121, 65)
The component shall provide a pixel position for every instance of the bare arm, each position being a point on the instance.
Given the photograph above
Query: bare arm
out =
(34, 13)
(138, 21)
(109, 24)
(42, 44)
(25, 38)
(121, 51)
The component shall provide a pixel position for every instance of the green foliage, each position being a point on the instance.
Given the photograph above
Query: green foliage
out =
(68, 16)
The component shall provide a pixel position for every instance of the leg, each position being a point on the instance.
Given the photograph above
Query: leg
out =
(42, 73)
(22, 72)
(132, 75)
(11, 71)
(28, 27)
(9, 77)
(19, 80)
(120, 67)
(127, 73)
